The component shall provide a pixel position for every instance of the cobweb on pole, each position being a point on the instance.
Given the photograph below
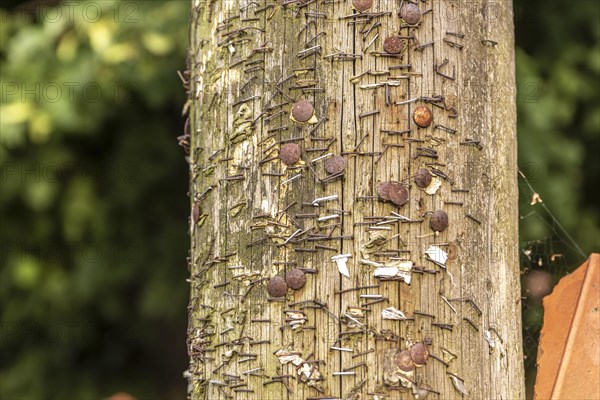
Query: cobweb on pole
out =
(543, 262)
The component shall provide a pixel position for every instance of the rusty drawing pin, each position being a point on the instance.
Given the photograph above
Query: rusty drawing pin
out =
(423, 178)
(335, 165)
(362, 5)
(410, 13)
(295, 279)
(302, 111)
(404, 361)
(277, 286)
(393, 45)
(423, 116)
(289, 154)
(398, 194)
(439, 221)
(383, 190)
(419, 353)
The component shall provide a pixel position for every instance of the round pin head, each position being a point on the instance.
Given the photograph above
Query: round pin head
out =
(423, 178)
(289, 154)
(393, 45)
(383, 190)
(295, 279)
(410, 13)
(439, 221)
(362, 5)
(423, 116)
(302, 110)
(277, 286)
(398, 194)
(419, 353)
(404, 362)
(335, 165)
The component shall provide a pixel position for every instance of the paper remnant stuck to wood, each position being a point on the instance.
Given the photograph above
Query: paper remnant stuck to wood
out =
(459, 385)
(342, 263)
(395, 269)
(433, 186)
(392, 313)
(437, 255)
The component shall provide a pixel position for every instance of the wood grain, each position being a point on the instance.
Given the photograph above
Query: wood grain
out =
(250, 61)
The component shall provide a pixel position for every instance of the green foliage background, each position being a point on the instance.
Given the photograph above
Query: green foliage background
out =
(94, 213)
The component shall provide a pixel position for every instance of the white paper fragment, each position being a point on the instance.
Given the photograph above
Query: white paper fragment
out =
(392, 313)
(419, 393)
(386, 272)
(376, 240)
(309, 374)
(448, 355)
(434, 186)
(355, 312)
(354, 320)
(295, 319)
(459, 385)
(488, 337)
(403, 266)
(395, 269)
(286, 356)
(341, 261)
(437, 255)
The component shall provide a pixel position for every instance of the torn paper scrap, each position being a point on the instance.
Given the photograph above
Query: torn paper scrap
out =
(395, 269)
(437, 255)
(392, 313)
(341, 261)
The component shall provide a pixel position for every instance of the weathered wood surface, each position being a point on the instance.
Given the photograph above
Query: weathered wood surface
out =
(250, 62)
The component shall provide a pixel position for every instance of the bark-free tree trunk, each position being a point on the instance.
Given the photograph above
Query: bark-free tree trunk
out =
(255, 217)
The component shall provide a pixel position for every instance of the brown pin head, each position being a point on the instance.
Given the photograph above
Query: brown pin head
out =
(362, 5)
(295, 279)
(398, 194)
(404, 362)
(383, 190)
(419, 353)
(439, 221)
(302, 110)
(423, 116)
(277, 286)
(289, 154)
(393, 45)
(335, 165)
(410, 13)
(423, 178)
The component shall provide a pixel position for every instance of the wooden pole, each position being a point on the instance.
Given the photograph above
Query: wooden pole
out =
(371, 72)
